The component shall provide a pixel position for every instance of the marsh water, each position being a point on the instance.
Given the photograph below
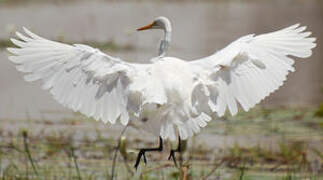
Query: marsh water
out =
(199, 29)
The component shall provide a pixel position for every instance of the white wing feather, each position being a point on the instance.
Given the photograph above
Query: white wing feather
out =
(107, 88)
(252, 67)
(78, 76)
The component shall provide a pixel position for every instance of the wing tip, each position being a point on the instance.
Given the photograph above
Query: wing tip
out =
(13, 40)
(11, 50)
(31, 34)
(17, 42)
(11, 58)
(25, 29)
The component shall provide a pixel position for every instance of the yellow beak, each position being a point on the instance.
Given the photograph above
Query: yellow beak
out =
(149, 26)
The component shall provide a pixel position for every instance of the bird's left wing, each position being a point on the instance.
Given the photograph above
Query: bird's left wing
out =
(78, 76)
(250, 68)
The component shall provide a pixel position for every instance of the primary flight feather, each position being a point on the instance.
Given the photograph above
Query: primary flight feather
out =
(168, 96)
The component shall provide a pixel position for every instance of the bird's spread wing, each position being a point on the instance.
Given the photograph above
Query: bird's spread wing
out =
(78, 76)
(250, 68)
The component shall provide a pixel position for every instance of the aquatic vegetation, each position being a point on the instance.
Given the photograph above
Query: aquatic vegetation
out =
(5, 43)
(85, 150)
(319, 111)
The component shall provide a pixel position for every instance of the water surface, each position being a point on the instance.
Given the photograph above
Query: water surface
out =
(199, 29)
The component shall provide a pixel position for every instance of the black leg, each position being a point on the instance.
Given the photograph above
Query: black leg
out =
(143, 151)
(172, 151)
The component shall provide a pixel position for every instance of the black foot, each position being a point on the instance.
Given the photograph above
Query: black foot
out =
(173, 151)
(143, 151)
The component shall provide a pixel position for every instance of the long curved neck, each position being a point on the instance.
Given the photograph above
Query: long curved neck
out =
(165, 42)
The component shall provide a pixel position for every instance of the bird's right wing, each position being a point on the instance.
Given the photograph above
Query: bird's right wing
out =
(250, 68)
(79, 76)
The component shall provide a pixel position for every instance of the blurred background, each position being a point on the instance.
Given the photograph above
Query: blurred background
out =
(284, 132)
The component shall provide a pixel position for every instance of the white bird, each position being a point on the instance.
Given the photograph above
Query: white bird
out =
(168, 96)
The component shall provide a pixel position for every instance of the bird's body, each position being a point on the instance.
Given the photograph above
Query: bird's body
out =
(168, 96)
(172, 82)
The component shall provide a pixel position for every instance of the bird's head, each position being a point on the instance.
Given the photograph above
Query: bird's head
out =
(159, 23)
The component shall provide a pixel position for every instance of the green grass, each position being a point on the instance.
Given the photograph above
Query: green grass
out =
(81, 148)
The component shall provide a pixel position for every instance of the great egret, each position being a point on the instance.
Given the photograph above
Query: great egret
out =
(168, 96)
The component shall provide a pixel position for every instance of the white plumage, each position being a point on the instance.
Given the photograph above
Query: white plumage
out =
(168, 95)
